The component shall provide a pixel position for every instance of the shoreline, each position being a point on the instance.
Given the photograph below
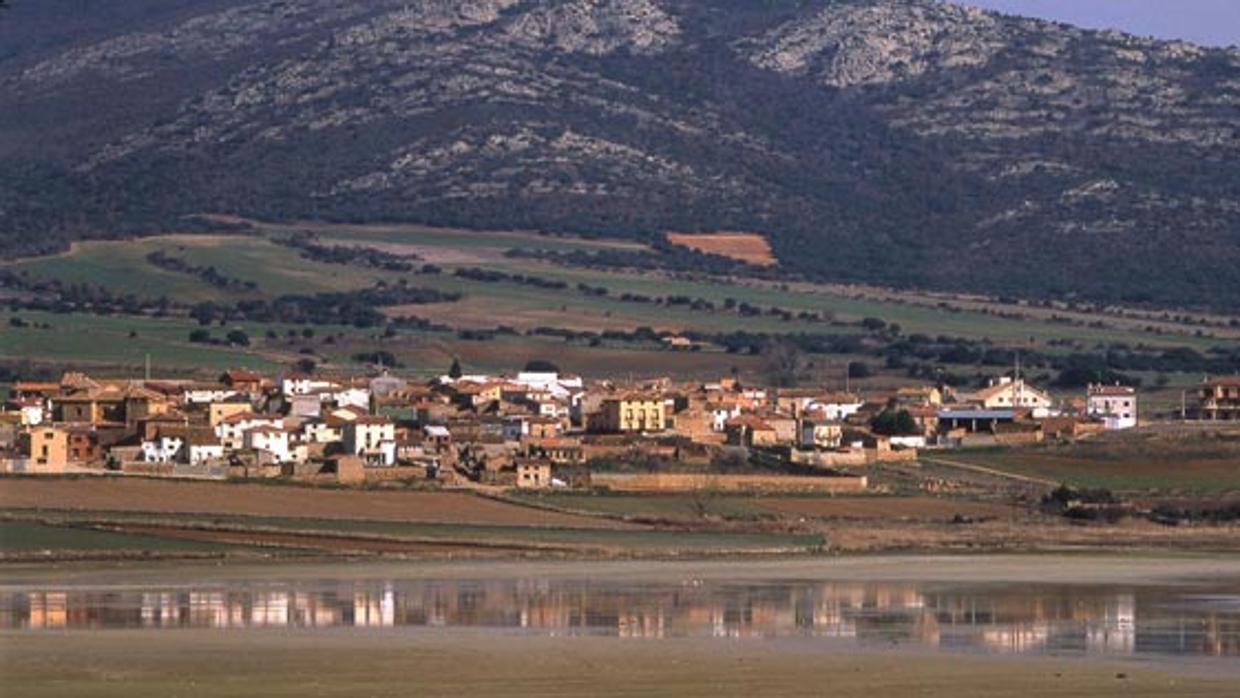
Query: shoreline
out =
(430, 662)
(1147, 569)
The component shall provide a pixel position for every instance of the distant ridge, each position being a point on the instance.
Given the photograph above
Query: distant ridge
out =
(899, 142)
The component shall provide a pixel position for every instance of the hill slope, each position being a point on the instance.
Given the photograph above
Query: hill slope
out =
(902, 142)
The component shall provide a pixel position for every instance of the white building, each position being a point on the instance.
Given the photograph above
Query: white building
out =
(372, 438)
(1115, 405)
(835, 407)
(276, 441)
(231, 431)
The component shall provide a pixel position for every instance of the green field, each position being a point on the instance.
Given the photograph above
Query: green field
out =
(33, 537)
(670, 505)
(1187, 471)
(106, 341)
(637, 540)
(122, 267)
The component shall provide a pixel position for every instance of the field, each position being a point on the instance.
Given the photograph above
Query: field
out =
(171, 497)
(276, 270)
(31, 537)
(750, 248)
(674, 506)
(1167, 460)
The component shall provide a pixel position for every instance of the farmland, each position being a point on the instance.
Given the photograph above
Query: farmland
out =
(750, 248)
(274, 270)
(1167, 460)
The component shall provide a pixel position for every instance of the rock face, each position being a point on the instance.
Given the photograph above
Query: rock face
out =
(910, 142)
(849, 44)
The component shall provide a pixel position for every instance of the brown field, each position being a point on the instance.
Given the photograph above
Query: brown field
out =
(890, 508)
(456, 662)
(169, 497)
(750, 248)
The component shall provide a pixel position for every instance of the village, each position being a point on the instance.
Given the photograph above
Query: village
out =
(538, 428)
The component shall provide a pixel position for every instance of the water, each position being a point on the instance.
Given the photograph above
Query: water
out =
(1090, 619)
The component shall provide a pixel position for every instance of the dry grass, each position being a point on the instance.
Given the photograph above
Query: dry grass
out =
(884, 508)
(750, 248)
(170, 497)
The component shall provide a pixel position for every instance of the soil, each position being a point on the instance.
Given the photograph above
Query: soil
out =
(454, 662)
(165, 496)
(750, 248)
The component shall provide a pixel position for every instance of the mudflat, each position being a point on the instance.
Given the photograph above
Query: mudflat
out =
(556, 661)
(424, 662)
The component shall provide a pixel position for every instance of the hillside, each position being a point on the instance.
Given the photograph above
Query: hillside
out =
(909, 143)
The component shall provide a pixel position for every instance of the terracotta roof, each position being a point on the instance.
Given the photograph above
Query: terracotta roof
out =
(748, 420)
(372, 420)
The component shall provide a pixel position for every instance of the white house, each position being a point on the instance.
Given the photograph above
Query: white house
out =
(231, 431)
(301, 384)
(835, 407)
(372, 438)
(207, 394)
(1012, 393)
(194, 446)
(1115, 405)
(276, 441)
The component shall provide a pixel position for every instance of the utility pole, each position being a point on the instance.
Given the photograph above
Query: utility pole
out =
(148, 367)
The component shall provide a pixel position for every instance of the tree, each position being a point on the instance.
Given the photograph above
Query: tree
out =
(455, 371)
(238, 337)
(200, 336)
(784, 364)
(891, 422)
(306, 366)
(541, 366)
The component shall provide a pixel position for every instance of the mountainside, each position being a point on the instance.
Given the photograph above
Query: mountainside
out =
(904, 142)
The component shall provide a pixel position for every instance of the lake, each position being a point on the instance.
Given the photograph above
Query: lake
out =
(1125, 617)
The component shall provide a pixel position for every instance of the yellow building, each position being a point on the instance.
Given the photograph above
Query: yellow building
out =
(49, 450)
(219, 411)
(633, 412)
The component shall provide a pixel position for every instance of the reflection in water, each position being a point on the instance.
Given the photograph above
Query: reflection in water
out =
(1092, 620)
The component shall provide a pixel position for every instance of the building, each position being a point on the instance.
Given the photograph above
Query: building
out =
(372, 438)
(1219, 398)
(1115, 405)
(749, 430)
(534, 474)
(820, 433)
(48, 450)
(1011, 393)
(634, 412)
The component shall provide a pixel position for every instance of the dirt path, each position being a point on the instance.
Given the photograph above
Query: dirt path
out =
(991, 471)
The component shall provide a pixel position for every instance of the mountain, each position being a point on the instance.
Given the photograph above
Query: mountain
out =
(902, 142)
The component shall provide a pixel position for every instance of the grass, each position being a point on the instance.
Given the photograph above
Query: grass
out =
(106, 340)
(670, 505)
(278, 270)
(121, 266)
(33, 537)
(1193, 471)
(644, 540)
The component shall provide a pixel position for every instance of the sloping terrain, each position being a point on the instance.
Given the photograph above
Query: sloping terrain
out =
(910, 143)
